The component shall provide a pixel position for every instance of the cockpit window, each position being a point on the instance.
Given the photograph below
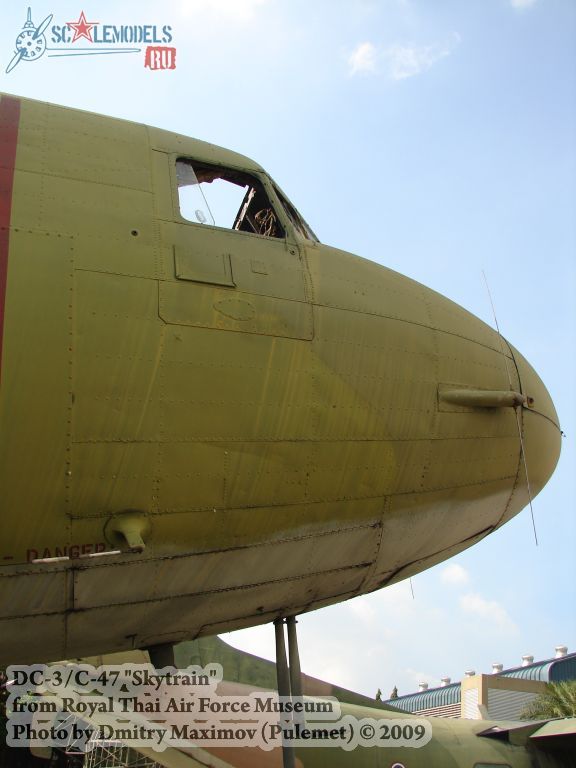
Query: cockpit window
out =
(224, 197)
(298, 222)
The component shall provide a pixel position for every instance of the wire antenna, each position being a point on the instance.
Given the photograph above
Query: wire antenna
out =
(516, 409)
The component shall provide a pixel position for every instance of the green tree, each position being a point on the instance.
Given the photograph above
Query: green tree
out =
(558, 700)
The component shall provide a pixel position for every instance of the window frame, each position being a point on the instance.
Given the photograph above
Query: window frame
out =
(284, 203)
(261, 180)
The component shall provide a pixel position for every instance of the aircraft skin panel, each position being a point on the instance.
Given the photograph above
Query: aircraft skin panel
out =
(269, 410)
(110, 476)
(215, 572)
(118, 348)
(434, 524)
(26, 632)
(80, 208)
(156, 622)
(75, 146)
(176, 144)
(259, 267)
(181, 305)
(162, 620)
(397, 367)
(137, 257)
(268, 275)
(36, 395)
(362, 286)
(35, 593)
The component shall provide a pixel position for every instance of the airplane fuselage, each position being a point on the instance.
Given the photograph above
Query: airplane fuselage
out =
(204, 427)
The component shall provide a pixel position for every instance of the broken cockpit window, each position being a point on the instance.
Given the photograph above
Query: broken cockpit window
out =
(224, 197)
(297, 221)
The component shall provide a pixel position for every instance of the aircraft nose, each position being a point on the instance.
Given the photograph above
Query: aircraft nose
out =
(540, 426)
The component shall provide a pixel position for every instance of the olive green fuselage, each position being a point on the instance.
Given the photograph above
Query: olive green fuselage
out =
(267, 412)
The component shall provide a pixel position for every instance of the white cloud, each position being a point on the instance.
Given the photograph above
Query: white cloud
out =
(363, 58)
(405, 61)
(454, 574)
(375, 641)
(229, 10)
(522, 3)
(491, 611)
(400, 61)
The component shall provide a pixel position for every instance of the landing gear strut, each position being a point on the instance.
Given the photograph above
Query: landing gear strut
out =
(289, 679)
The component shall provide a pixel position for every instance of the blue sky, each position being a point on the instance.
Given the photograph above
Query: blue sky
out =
(435, 137)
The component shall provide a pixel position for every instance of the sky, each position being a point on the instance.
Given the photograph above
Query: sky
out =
(432, 136)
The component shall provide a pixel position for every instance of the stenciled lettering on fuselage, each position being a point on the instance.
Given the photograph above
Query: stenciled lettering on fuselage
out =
(71, 551)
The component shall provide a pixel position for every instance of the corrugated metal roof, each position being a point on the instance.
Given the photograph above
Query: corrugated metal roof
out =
(434, 697)
(548, 671)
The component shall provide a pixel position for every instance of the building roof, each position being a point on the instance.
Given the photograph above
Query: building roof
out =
(547, 671)
(433, 697)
